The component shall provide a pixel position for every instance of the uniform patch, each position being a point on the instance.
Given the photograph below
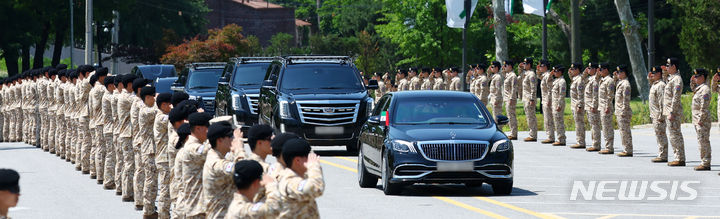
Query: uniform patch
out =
(164, 118)
(229, 167)
(706, 97)
(580, 87)
(257, 206)
(677, 88)
(627, 92)
(200, 149)
(301, 186)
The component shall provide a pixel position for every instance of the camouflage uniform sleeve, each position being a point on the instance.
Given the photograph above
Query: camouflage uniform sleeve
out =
(676, 97)
(309, 188)
(581, 94)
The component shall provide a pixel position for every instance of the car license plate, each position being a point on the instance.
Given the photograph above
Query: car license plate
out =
(331, 130)
(455, 166)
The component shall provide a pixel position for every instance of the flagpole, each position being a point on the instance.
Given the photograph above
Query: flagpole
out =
(468, 14)
(544, 30)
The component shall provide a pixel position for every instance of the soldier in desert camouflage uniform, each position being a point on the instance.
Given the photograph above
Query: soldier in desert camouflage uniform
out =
(701, 117)
(510, 94)
(623, 113)
(301, 182)
(657, 87)
(496, 81)
(191, 159)
(146, 119)
(558, 104)
(217, 175)
(546, 83)
(246, 178)
(577, 104)
(160, 136)
(606, 93)
(529, 95)
(673, 111)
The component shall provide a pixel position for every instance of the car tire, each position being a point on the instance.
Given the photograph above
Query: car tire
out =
(473, 184)
(502, 188)
(388, 187)
(365, 178)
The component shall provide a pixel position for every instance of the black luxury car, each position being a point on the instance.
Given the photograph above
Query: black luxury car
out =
(239, 89)
(434, 137)
(320, 98)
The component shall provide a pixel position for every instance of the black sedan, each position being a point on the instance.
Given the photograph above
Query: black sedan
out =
(434, 137)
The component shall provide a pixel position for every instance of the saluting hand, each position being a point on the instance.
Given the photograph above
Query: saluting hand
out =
(312, 159)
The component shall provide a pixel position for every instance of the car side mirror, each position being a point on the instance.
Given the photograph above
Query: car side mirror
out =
(372, 85)
(268, 84)
(502, 120)
(374, 120)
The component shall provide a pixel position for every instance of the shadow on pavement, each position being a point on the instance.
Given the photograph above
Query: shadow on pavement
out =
(17, 148)
(330, 153)
(456, 190)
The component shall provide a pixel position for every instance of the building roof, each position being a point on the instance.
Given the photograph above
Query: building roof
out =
(258, 4)
(300, 23)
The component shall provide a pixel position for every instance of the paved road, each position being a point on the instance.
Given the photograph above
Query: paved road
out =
(544, 176)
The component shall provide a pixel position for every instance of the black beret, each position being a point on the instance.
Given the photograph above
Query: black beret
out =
(656, 69)
(128, 79)
(559, 68)
(138, 83)
(528, 60)
(700, 71)
(603, 65)
(52, 71)
(62, 73)
(145, 91)
(178, 97)
(402, 71)
(295, 148)
(246, 172)
(183, 131)
(199, 119)
(544, 62)
(592, 65)
(622, 68)
(576, 65)
(508, 62)
(117, 79)
(672, 61)
(102, 71)
(496, 64)
(412, 69)
(92, 80)
(45, 69)
(85, 68)
(258, 132)
(219, 130)
(454, 69)
(61, 66)
(108, 80)
(482, 65)
(162, 98)
(277, 142)
(9, 181)
(177, 114)
(73, 74)
(191, 105)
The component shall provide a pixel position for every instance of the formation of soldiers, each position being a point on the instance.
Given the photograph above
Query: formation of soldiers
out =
(162, 147)
(594, 93)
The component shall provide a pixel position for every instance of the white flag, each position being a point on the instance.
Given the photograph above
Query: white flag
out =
(456, 12)
(533, 7)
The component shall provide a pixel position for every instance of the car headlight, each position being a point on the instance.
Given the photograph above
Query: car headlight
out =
(500, 146)
(236, 104)
(191, 97)
(369, 106)
(403, 146)
(284, 109)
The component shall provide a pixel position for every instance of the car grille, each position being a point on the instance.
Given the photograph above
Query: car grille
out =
(252, 100)
(328, 113)
(209, 105)
(453, 151)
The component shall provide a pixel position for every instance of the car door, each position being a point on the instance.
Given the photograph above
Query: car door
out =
(223, 96)
(268, 96)
(376, 135)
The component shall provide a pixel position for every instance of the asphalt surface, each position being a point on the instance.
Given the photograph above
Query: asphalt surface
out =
(544, 177)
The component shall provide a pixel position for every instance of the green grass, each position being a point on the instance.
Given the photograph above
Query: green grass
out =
(641, 114)
(46, 62)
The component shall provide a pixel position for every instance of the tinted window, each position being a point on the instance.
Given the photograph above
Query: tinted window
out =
(204, 78)
(304, 77)
(438, 110)
(249, 74)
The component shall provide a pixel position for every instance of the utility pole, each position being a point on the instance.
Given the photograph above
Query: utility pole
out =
(115, 40)
(88, 32)
(544, 30)
(468, 14)
(651, 34)
(72, 33)
(575, 31)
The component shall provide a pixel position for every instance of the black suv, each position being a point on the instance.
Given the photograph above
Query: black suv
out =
(239, 89)
(200, 81)
(320, 98)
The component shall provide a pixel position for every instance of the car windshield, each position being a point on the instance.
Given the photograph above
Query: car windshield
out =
(438, 110)
(249, 74)
(204, 78)
(325, 77)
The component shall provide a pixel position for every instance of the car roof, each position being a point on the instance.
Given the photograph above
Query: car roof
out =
(431, 93)
(155, 71)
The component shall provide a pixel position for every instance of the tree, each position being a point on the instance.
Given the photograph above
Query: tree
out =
(501, 44)
(634, 46)
(221, 44)
(697, 38)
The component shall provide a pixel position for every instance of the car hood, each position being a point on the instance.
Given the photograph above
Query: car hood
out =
(202, 92)
(247, 91)
(445, 132)
(330, 96)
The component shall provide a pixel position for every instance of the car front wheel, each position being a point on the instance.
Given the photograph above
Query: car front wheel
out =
(388, 187)
(365, 178)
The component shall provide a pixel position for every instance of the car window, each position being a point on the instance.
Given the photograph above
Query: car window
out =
(317, 77)
(382, 105)
(204, 78)
(438, 110)
(249, 74)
